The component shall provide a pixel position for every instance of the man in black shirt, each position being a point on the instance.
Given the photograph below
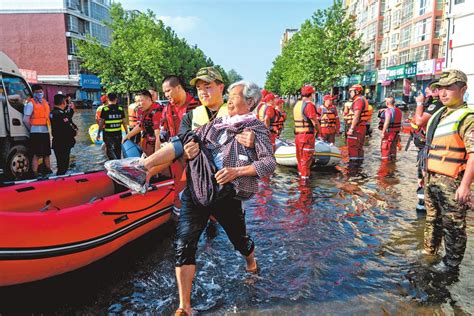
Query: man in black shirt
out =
(64, 131)
(112, 118)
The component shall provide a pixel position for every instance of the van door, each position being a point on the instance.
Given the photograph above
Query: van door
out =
(17, 93)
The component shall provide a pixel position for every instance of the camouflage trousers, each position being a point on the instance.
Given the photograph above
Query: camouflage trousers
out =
(445, 218)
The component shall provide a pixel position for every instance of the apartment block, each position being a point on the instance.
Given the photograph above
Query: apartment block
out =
(39, 37)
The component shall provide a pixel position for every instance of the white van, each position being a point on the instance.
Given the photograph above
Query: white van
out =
(15, 162)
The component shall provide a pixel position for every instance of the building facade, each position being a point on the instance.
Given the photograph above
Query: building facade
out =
(39, 37)
(400, 36)
(459, 41)
(285, 38)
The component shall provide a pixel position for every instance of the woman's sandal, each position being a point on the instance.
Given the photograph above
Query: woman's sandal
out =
(181, 312)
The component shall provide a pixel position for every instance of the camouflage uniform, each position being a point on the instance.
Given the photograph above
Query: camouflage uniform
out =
(445, 217)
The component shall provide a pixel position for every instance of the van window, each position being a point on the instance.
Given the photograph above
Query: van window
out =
(17, 91)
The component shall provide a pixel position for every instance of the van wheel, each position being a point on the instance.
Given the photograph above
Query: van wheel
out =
(18, 163)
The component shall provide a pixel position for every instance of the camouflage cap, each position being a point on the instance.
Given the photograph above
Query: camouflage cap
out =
(208, 74)
(449, 77)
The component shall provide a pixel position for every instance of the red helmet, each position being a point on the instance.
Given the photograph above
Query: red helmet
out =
(280, 101)
(328, 97)
(103, 99)
(269, 97)
(356, 87)
(307, 89)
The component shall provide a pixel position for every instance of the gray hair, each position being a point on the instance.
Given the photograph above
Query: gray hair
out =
(390, 100)
(251, 92)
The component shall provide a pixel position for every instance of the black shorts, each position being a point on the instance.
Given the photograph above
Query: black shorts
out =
(40, 144)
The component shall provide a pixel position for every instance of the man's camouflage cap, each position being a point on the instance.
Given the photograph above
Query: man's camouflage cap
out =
(207, 74)
(449, 77)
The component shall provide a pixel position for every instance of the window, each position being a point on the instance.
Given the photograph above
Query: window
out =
(386, 24)
(393, 60)
(100, 32)
(425, 7)
(458, 1)
(396, 19)
(438, 25)
(405, 36)
(405, 56)
(385, 44)
(74, 4)
(371, 29)
(99, 12)
(394, 40)
(72, 24)
(439, 4)
(17, 91)
(73, 67)
(71, 47)
(422, 30)
(435, 52)
(407, 11)
(420, 53)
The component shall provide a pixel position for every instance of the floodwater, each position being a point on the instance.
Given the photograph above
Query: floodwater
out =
(347, 243)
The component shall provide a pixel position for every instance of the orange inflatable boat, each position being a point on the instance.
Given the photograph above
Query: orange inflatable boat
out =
(49, 227)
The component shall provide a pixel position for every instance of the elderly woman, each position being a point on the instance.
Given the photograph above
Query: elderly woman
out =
(238, 169)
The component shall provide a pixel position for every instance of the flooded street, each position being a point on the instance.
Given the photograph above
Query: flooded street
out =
(348, 243)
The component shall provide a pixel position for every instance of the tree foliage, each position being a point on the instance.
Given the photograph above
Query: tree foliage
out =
(233, 76)
(141, 53)
(324, 50)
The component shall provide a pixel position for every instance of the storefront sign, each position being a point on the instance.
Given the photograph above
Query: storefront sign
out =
(382, 75)
(425, 67)
(369, 78)
(396, 72)
(410, 70)
(31, 76)
(354, 79)
(91, 82)
(343, 82)
(439, 65)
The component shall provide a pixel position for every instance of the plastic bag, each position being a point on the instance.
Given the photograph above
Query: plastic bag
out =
(128, 172)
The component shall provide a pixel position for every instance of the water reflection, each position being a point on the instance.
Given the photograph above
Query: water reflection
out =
(347, 242)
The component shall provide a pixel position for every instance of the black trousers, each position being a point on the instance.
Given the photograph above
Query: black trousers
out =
(193, 220)
(113, 146)
(62, 158)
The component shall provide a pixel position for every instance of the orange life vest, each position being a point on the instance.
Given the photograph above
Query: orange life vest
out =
(395, 120)
(364, 115)
(328, 119)
(132, 115)
(302, 123)
(40, 115)
(446, 150)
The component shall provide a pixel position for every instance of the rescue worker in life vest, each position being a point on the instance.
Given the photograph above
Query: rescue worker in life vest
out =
(390, 124)
(280, 122)
(450, 171)
(306, 129)
(36, 119)
(267, 114)
(112, 118)
(329, 120)
(133, 118)
(148, 123)
(356, 120)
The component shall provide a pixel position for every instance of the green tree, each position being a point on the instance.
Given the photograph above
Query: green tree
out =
(141, 53)
(324, 50)
(233, 76)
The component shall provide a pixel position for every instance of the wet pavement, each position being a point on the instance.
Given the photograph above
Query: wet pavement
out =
(349, 242)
